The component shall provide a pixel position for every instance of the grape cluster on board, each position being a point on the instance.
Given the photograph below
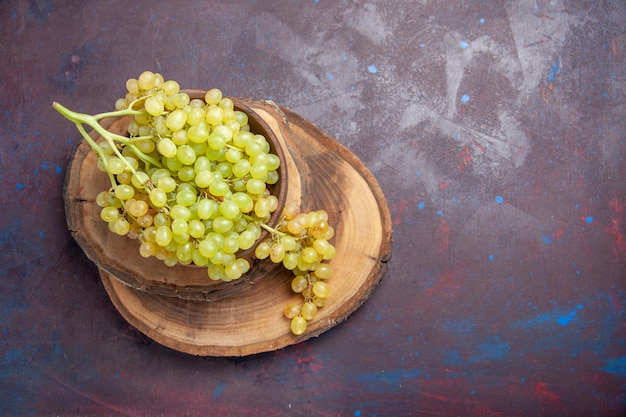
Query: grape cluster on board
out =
(190, 183)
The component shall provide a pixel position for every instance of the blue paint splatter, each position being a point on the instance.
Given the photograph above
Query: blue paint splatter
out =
(589, 219)
(554, 70)
(19, 187)
(439, 213)
(357, 413)
(464, 44)
(218, 391)
(329, 76)
(499, 199)
(481, 20)
(564, 320)
(418, 173)
(616, 366)
(547, 239)
(465, 99)
(421, 205)
(372, 69)
(490, 257)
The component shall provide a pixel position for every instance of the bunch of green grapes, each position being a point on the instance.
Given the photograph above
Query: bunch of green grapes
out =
(190, 182)
(301, 241)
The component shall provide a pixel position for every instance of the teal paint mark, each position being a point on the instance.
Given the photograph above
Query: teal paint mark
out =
(218, 391)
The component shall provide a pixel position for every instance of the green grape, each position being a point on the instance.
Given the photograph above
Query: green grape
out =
(216, 141)
(167, 184)
(253, 148)
(154, 106)
(277, 253)
(255, 186)
(180, 211)
(167, 148)
(242, 138)
(206, 207)
(163, 235)
(115, 165)
(290, 260)
(196, 229)
(184, 251)
(198, 259)
(289, 243)
(176, 120)
(330, 254)
(309, 310)
(321, 289)
(121, 226)
(180, 137)
(226, 103)
(321, 246)
(158, 197)
(124, 192)
(208, 248)
(233, 155)
(199, 133)
(299, 283)
(109, 214)
(170, 87)
(102, 199)
(132, 86)
(243, 201)
(185, 197)
(186, 173)
(222, 225)
(161, 219)
(145, 221)
(231, 244)
(203, 179)
(139, 179)
(229, 209)
(241, 168)
(213, 96)
(137, 208)
(262, 251)
(213, 115)
(173, 164)
(323, 271)
(195, 115)
(145, 81)
(186, 154)
(243, 265)
(291, 311)
(246, 239)
(298, 325)
(147, 249)
(202, 163)
(232, 271)
(179, 226)
(219, 188)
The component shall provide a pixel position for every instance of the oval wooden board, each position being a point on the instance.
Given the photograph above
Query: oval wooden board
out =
(332, 178)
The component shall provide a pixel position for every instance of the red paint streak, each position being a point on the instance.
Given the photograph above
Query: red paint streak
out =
(557, 235)
(480, 147)
(465, 159)
(398, 218)
(443, 185)
(541, 389)
(617, 205)
(615, 230)
(444, 234)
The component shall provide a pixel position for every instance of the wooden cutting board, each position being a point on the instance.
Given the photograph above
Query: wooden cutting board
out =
(247, 317)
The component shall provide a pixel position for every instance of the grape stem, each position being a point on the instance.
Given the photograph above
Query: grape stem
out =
(81, 119)
(265, 226)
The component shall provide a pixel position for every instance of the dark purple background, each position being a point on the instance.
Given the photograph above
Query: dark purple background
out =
(496, 130)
